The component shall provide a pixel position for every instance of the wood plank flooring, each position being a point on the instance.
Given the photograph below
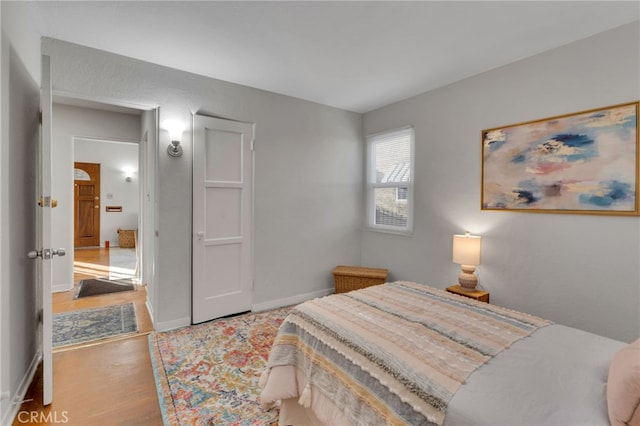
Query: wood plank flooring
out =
(105, 383)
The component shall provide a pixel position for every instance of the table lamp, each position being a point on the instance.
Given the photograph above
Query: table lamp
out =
(466, 252)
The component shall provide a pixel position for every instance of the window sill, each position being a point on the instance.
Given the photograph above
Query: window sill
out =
(406, 233)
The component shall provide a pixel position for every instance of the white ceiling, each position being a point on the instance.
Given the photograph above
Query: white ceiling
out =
(355, 55)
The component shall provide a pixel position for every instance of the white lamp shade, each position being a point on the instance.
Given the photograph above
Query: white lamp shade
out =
(466, 249)
(175, 129)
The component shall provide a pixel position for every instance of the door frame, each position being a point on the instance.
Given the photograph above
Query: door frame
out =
(147, 169)
(65, 158)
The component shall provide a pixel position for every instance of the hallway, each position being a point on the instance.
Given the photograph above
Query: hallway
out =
(95, 263)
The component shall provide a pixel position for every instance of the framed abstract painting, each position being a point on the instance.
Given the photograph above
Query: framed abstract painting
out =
(583, 163)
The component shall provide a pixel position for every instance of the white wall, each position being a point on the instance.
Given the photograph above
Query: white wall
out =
(3, 198)
(308, 174)
(69, 123)
(578, 270)
(114, 158)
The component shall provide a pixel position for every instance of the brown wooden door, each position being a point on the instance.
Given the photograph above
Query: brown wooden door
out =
(86, 205)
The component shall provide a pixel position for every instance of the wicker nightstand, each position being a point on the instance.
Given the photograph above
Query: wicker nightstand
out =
(348, 278)
(482, 296)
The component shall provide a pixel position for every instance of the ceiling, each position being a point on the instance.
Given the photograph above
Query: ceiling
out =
(354, 55)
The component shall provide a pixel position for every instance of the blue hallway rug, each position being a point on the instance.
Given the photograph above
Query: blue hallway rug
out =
(70, 328)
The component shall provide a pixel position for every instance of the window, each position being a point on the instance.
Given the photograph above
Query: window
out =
(79, 174)
(390, 180)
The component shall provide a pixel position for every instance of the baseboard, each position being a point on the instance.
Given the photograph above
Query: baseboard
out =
(172, 325)
(21, 392)
(265, 306)
(293, 300)
(150, 309)
(57, 288)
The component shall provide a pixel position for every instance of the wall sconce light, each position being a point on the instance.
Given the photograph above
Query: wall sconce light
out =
(466, 252)
(175, 129)
(128, 175)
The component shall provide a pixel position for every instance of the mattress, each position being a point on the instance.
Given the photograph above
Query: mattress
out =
(530, 372)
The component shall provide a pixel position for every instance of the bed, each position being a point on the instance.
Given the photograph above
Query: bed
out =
(406, 353)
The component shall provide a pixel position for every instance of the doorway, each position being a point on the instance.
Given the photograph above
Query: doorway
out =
(104, 175)
(107, 187)
(86, 205)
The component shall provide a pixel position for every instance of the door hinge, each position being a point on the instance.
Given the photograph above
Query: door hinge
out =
(253, 144)
(40, 117)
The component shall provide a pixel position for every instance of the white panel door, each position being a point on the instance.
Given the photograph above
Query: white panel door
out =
(222, 217)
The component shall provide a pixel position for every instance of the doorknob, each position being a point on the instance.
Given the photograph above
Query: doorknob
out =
(46, 253)
(200, 235)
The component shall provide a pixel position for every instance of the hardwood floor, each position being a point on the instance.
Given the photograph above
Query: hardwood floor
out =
(109, 382)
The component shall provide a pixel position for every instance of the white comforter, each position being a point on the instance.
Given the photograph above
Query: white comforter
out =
(557, 376)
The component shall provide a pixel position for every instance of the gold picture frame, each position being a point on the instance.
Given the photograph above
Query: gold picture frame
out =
(580, 163)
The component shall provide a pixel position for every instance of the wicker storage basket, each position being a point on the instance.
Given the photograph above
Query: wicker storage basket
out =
(127, 238)
(348, 278)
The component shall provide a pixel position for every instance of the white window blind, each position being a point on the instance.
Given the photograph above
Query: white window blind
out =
(390, 180)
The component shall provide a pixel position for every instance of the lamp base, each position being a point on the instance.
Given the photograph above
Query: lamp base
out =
(467, 279)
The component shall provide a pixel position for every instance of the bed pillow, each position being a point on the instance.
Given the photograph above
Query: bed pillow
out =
(623, 386)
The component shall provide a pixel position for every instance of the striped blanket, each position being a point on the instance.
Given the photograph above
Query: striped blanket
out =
(389, 354)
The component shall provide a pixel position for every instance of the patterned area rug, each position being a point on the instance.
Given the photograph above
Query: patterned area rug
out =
(70, 328)
(208, 374)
